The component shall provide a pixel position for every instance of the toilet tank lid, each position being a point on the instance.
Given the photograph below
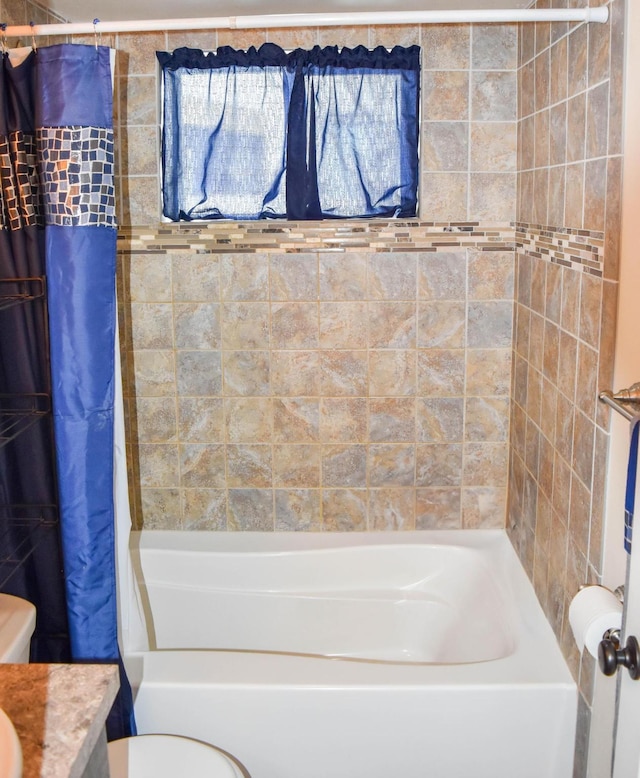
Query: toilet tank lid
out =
(17, 622)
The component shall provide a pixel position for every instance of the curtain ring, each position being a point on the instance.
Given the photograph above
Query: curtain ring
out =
(97, 35)
(34, 45)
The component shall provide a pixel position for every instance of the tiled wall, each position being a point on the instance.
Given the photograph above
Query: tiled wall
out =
(569, 163)
(335, 376)
(315, 388)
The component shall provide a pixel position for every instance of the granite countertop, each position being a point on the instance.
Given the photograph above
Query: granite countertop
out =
(58, 712)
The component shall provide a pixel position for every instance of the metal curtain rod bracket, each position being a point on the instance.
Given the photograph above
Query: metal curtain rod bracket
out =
(627, 408)
(510, 15)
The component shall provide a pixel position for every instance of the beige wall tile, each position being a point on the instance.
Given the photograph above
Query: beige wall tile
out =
(250, 510)
(198, 373)
(541, 67)
(493, 96)
(293, 37)
(245, 325)
(293, 276)
(296, 420)
(202, 465)
(446, 95)
(149, 278)
(441, 372)
(197, 325)
(344, 510)
(296, 466)
(445, 46)
(394, 35)
(248, 420)
(156, 419)
(195, 278)
(392, 276)
(246, 373)
(200, 419)
(161, 509)
(443, 196)
(442, 276)
(493, 147)
(298, 509)
(495, 46)
(343, 420)
(242, 39)
(392, 419)
(441, 325)
(391, 509)
(137, 51)
(439, 420)
(445, 146)
(204, 509)
(343, 277)
(439, 464)
(483, 507)
(438, 508)
(392, 372)
(249, 465)
(343, 36)
(244, 277)
(392, 325)
(343, 373)
(295, 373)
(155, 373)
(343, 325)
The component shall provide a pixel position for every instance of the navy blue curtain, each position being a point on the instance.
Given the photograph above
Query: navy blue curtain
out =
(30, 550)
(316, 134)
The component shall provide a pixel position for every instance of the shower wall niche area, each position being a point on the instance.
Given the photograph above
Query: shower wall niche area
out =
(25, 427)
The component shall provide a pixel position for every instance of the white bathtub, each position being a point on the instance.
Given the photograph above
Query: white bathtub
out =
(377, 655)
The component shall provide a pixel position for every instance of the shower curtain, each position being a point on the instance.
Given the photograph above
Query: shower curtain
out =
(74, 143)
(27, 465)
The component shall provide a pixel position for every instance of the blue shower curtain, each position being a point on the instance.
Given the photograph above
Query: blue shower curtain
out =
(74, 134)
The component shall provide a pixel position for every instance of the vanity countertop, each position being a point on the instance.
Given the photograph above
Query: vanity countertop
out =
(58, 712)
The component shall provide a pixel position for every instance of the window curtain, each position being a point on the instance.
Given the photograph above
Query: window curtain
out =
(64, 180)
(316, 134)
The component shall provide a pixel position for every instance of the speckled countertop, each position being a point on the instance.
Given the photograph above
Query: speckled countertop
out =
(58, 712)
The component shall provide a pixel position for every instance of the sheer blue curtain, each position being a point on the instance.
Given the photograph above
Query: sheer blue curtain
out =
(74, 133)
(306, 135)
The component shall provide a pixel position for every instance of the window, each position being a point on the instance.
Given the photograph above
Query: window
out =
(262, 134)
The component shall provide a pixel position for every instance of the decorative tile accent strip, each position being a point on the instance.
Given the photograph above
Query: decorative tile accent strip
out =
(298, 237)
(77, 174)
(20, 193)
(580, 249)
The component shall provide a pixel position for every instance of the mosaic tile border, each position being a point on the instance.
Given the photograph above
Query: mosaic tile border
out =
(580, 249)
(297, 237)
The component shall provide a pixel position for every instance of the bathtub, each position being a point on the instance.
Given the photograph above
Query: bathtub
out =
(374, 655)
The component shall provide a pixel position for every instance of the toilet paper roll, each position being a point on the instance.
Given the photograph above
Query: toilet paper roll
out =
(593, 611)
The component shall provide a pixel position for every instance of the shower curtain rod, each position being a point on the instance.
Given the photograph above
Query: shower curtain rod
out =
(597, 14)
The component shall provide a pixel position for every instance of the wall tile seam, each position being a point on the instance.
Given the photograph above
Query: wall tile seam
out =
(557, 165)
(567, 34)
(559, 103)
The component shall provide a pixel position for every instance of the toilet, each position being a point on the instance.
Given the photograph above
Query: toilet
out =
(165, 756)
(144, 756)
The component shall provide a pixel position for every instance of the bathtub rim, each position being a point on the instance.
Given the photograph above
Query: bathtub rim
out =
(536, 660)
